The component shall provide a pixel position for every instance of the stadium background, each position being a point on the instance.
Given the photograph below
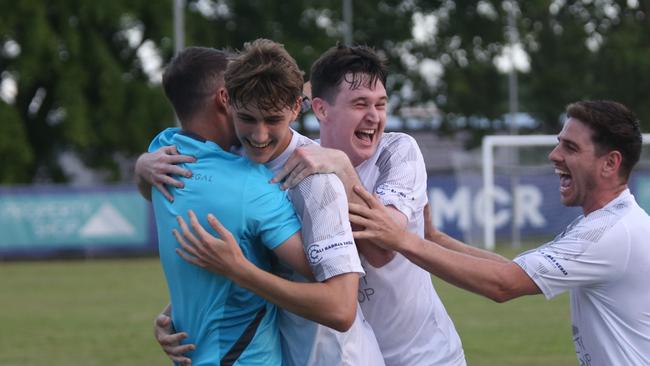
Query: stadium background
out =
(80, 99)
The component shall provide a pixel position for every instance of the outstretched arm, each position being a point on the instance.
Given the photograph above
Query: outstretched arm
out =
(157, 168)
(331, 303)
(432, 234)
(497, 280)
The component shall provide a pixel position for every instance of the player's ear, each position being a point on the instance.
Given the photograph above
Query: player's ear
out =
(222, 96)
(220, 99)
(612, 163)
(319, 106)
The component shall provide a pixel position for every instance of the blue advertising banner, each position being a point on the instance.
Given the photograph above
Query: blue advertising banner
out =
(47, 221)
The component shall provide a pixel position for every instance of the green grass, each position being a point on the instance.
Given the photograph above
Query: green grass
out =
(100, 312)
(80, 312)
(526, 331)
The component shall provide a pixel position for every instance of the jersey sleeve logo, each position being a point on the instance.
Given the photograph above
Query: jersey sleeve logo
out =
(316, 252)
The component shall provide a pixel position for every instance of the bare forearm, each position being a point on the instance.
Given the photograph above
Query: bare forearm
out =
(479, 275)
(331, 303)
(450, 243)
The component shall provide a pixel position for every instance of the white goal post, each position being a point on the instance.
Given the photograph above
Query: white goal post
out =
(489, 143)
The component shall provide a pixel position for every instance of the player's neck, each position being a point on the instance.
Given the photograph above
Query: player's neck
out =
(603, 198)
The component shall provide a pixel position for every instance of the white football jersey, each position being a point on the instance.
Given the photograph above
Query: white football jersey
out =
(603, 260)
(398, 299)
(321, 204)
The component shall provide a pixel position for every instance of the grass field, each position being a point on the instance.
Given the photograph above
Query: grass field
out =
(100, 312)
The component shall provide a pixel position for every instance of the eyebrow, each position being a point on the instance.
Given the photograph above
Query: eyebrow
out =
(567, 141)
(365, 99)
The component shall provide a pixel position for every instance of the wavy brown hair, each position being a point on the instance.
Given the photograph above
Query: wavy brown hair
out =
(265, 74)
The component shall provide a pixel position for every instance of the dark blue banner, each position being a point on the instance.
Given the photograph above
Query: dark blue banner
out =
(457, 205)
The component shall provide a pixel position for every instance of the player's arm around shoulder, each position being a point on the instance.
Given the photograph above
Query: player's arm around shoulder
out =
(307, 160)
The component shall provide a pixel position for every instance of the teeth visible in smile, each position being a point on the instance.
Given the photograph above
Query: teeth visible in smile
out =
(559, 171)
(366, 135)
(565, 179)
(255, 144)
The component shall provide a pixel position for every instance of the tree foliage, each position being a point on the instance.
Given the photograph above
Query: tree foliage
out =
(82, 88)
(587, 50)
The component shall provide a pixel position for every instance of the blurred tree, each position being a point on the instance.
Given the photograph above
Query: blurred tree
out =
(308, 27)
(583, 49)
(81, 86)
(586, 50)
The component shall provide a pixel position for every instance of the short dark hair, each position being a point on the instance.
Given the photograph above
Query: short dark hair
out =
(357, 65)
(264, 73)
(193, 76)
(614, 127)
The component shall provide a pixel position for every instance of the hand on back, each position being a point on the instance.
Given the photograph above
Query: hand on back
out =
(158, 169)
